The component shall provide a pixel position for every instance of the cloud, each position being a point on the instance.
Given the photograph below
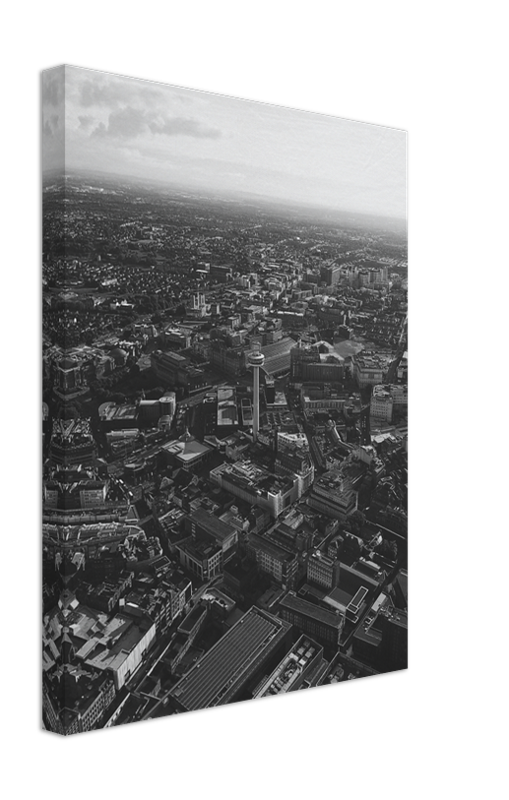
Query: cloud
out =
(126, 123)
(180, 126)
(52, 92)
(86, 121)
(100, 131)
(50, 126)
(114, 93)
(129, 123)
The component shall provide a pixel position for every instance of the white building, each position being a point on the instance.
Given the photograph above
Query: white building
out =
(387, 398)
(381, 403)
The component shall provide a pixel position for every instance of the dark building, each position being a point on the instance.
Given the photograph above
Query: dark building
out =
(75, 699)
(220, 676)
(239, 575)
(324, 626)
(274, 560)
(206, 526)
(219, 274)
(330, 274)
(301, 667)
(394, 649)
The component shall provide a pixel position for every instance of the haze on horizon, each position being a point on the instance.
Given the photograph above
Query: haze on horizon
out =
(204, 141)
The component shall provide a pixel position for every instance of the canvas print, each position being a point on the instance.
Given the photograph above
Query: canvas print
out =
(224, 400)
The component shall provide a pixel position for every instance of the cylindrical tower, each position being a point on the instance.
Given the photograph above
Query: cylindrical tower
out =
(256, 359)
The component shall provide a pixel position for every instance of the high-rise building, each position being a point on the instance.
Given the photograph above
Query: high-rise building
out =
(256, 359)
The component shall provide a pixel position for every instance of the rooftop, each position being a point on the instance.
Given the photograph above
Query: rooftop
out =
(216, 527)
(290, 669)
(304, 607)
(216, 676)
(270, 547)
(186, 451)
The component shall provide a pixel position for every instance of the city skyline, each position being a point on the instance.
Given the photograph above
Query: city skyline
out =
(225, 407)
(183, 137)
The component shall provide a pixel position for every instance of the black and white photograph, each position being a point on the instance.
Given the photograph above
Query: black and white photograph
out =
(225, 400)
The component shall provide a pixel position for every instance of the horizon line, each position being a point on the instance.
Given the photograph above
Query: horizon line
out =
(231, 193)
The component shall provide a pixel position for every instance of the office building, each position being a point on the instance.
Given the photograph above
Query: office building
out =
(323, 626)
(186, 452)
(173, 369)
(273, 559)
(202, 558)
(330, 274)
(118, 416)
(176, 337)
(258, 486)
(322, 570)
(316, 362)
(386, 399)
(330, 495)
(220, 274)
(206, 526)
(370, 367)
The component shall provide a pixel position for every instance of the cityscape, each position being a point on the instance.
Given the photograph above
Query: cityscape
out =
(225, 406)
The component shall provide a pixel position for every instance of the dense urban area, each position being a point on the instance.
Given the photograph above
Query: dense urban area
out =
(224, 449)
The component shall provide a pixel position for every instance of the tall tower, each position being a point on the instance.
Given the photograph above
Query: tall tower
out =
(256, 359)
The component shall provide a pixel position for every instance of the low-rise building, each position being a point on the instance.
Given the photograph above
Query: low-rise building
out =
(323, 626)
(293, 670)
(322, 570)
(387, 398)
(331, 496)
(206, 526)
(274, 560)
(203, 559)
(370, 367)
(186, 452)
(258, 486)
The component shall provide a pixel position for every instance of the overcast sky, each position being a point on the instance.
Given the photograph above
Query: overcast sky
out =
(206, 141)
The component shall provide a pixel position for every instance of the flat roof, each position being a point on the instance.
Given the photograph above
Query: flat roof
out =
(211, 524)
(191, 619)
(216, 675)
(227, 414)
(300, 606)
(358, 599)
(290, 668)
(270, 547)
(186, 451)
(225, 393)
